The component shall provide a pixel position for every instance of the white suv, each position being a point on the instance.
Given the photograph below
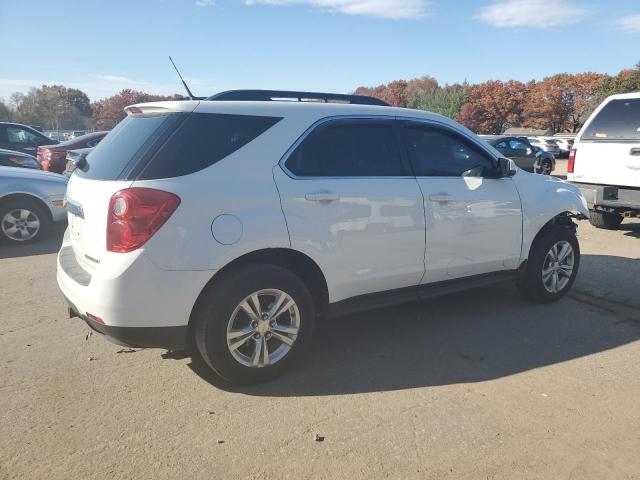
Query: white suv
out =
(605, 160)
(229, 226)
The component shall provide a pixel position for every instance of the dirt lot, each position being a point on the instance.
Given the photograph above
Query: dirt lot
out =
(479, 385)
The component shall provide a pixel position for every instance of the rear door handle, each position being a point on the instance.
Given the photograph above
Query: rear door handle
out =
(441, 198)
(635, 151)
(322, 196)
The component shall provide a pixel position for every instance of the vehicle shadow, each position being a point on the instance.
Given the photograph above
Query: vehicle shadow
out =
(49, 244)
(630, 229)
(479, 335)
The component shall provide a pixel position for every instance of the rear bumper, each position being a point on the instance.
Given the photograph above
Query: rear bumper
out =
(610, 196)
(169, 338)
(140, 304)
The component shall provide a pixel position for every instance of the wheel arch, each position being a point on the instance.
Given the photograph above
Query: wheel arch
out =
(297, 262)
(27, 196)
(563, 218)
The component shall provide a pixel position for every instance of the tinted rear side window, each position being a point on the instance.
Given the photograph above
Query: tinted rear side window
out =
(618, 120)
(351, 148)
(163, 146)
(126, 144)
(202, 140)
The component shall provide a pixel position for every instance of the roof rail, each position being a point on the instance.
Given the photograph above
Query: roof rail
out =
(293, 96)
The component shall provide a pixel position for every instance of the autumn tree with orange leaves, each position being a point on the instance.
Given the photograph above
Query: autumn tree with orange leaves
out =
(561, 102)
(109, 111)
(493, 106)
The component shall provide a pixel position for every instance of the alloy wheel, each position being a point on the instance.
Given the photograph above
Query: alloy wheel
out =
(20, 224)
(557, 267)
(263, 328)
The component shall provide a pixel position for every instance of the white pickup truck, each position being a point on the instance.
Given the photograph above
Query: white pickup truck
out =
(605, 160)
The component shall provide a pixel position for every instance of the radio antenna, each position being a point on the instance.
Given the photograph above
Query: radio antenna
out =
(190, 95)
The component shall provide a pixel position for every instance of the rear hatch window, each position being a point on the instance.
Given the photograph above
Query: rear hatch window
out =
(170, 145)
(619, 120)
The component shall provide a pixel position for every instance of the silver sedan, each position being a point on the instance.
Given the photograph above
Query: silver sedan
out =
(30, 201)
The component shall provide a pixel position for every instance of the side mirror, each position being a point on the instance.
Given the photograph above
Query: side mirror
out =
(529, 151)
(506, 167)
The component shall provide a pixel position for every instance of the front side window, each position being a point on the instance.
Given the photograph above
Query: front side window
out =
(518, 146)
(348, 148)
(436, 152)
(21, 135)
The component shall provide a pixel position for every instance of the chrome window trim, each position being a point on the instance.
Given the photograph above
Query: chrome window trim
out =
(427, 122)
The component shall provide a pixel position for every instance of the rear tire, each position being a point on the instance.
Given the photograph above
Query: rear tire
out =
(608, 221)
(546, 279)
(22, 221)
(226, 317)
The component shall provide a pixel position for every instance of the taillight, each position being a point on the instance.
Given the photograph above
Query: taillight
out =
(572, 160)
(135, 215)
(95, 319)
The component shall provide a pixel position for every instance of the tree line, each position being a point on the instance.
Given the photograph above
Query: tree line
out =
(55, 107)
(560, 103)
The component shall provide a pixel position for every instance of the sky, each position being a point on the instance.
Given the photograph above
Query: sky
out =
(102, 47)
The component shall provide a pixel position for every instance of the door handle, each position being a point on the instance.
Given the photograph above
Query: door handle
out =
(441, 198)
(322, 197)
(635, 151)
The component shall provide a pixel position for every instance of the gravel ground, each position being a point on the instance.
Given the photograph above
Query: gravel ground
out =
(477, 385)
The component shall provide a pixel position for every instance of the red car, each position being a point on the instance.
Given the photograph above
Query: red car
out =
(53, 157)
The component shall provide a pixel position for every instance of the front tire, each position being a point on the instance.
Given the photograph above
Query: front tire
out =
(253, 323)
(22, 221)
(608, 221)
(552, 266)
(546, 167)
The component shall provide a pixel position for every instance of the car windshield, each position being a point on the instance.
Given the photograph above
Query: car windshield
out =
(125, 143)
(618, 120)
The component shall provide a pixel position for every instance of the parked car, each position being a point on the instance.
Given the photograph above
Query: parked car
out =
(232, 225)
(30, 200)
(9, 158)
(526, 156)
(22, 138)
(565, 145)
(54, 158)
(545, 145)
(75, 158)
(54, 135)
(76, 134)
(605, 160)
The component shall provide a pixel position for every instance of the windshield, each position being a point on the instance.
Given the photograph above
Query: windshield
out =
(125, 144)
(618, 120)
